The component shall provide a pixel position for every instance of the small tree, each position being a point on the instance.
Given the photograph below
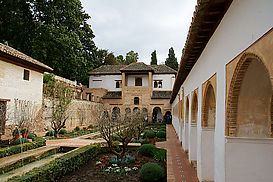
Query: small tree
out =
(61, 96)
(120, 128)
(153, 58)
(171, 61)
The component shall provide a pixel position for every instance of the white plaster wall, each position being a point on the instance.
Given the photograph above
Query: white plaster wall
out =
(107, 81)
(207, 154)
(244, 22)
(193, 143)
(131, 80)
(167, 81)
(185, 136)
(249, 160)
(12, 86)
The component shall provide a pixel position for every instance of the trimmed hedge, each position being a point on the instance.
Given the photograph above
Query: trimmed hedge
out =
(61, 166)
(149, 134)
(7, 151)
(161, 134)
(147, 149)
(151, 172)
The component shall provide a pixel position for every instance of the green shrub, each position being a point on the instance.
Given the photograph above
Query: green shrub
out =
(161, 134)
(77, 128)
(151, 172)
(149, 134)
(147, 149)
(31, 136)
(62, 131)
(160, 154)
(20, 141)
(60, 166)
(50, 133)
(7, 151)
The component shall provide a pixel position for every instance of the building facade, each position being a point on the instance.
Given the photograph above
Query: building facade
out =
(21, 88)
(128, 88)
(222, 97)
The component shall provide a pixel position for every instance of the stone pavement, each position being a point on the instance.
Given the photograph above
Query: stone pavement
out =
(178, 167)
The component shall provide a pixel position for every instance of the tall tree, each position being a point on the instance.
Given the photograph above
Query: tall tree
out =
(171, 60)
(131, 57)
(110, 59)
(153, 58)
(120, 59)
(54, 32)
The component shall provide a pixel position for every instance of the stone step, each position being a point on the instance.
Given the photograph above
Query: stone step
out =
(17, 160)
(26, 168)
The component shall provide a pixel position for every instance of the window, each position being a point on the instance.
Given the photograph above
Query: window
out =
(157, 83)
(138, 81)
(3, 109)
(26, 75)
(118, 83)
(136, 101)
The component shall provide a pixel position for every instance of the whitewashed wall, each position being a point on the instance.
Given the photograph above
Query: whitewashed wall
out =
(12, 86)
(131, 80)
(244, 23)
(104, 81)
(167, 81)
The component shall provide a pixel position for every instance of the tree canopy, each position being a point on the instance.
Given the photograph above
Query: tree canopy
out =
(153, 58)
(53, 32)
(131, 57)
(171, 60)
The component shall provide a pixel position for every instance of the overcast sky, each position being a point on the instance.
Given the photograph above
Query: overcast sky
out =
(140, 25)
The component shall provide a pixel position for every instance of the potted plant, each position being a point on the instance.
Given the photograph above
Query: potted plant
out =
(24, 132)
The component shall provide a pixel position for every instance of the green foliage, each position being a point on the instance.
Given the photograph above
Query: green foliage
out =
(77, 128)
(20, 141)
(31, 136)
(171, 61)
(120, 59)
(149, 134)
(50, 133)
(110, 59)
(62, 131)
(38, 142)
(131, 57)
(49, 79)
(161, 134)
(147, 149)
(54, 32)
(153, 58)
(151, 172)
(160, 154)
(61, 166)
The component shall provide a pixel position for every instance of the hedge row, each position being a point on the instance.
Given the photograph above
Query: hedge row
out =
(61, 166)
(15, 149)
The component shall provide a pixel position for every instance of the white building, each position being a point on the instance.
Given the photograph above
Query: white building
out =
(135, 86)
(222, 97)
(21, 87)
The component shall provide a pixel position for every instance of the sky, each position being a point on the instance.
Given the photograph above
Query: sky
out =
(140, 25)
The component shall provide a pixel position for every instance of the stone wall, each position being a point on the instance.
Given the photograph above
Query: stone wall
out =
(80, 113)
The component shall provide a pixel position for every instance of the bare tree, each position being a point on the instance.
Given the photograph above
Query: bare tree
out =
(119, 128)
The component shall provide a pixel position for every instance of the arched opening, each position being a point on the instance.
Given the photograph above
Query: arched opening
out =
(168, 117)
(115, 114)
(136, 110)
(249, 111)
(187, 110)
(194, 109)
(209, 109)
(138, 81)
(157, 115)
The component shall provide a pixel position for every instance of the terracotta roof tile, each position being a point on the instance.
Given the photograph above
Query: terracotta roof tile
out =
(138, 66)
(15, 53)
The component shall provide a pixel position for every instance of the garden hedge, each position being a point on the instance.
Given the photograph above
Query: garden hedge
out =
(61, 166)
(151, 172)
(15, 149)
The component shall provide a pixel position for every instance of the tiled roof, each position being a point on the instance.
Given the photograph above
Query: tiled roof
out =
(7, 50)
(107, 69)
(112, 95)
(161, 94)
(162, 68)
(134, 67)
(206, 18)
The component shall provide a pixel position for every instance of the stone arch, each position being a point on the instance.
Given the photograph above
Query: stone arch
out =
(136, 110)
(250, 94)
(115, 113)
(209, 107)
(157, 114)
(194, 108)
(187, 110)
